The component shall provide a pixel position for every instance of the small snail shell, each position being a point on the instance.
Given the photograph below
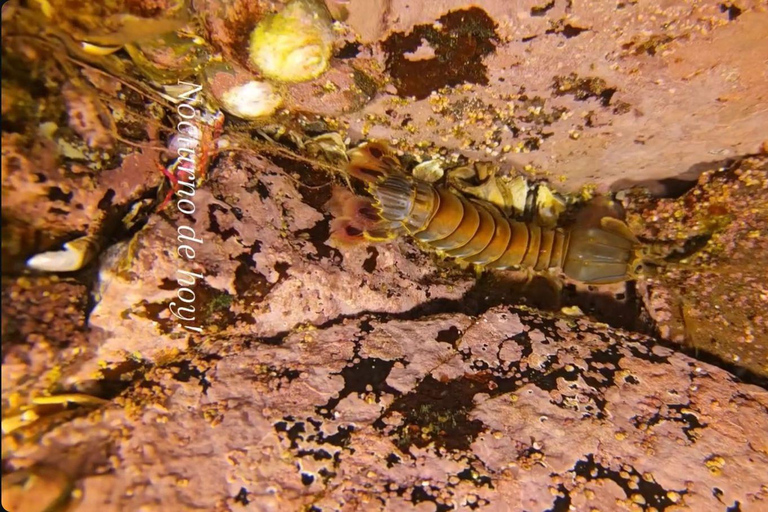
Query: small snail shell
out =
(75, 255)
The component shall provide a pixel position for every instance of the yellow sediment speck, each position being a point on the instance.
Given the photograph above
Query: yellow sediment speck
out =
(75, 398)
(715, 464)
(572, 311)
(99, 51)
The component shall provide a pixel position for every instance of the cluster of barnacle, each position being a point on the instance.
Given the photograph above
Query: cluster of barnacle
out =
(294, 44)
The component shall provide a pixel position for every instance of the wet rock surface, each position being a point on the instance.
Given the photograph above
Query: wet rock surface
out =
(374, 376)
(580, 92)
(44, 329)
(710, 294)
(267, 264)
(510, 410)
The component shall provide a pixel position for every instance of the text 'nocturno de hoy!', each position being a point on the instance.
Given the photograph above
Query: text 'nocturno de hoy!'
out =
(187, 142)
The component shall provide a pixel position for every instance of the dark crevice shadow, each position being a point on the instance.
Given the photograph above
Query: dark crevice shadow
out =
(675, 186)
(495, 289)
(740, 373)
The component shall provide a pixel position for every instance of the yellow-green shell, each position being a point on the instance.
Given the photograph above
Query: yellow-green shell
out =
(294, 45)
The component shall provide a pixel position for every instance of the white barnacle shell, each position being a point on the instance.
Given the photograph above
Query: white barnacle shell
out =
(239, 92)
(518, 189)
(430, 171)
(74, 256)
(251, 100)
(549, 205)
(329, 147)
(294, 45)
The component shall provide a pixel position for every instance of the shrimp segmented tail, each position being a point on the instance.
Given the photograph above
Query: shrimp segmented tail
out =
(477, 232)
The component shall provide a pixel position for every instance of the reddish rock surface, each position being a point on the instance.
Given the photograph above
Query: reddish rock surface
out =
(508, 411)
(268, 263)
(331, 376)
(711, 295)
(606, 94)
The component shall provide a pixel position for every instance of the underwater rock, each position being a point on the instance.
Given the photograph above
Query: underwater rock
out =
(75, 159)
(268, 265)
(346, 87)
(55, 204)
(709, 295)
(577, 93)
(44, 329)
(318, 374)
(447, 53)
(35, 489)
(88, 117)
(510, 410)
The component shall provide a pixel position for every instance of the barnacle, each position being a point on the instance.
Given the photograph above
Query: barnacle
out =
(549, 205)
(251, 100)
(430, 171)
(509, 194)
(294, 45)
(239, 92)
(328, 147)
(515, 196)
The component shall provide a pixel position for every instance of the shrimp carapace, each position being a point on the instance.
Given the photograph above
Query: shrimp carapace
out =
(602, 255)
